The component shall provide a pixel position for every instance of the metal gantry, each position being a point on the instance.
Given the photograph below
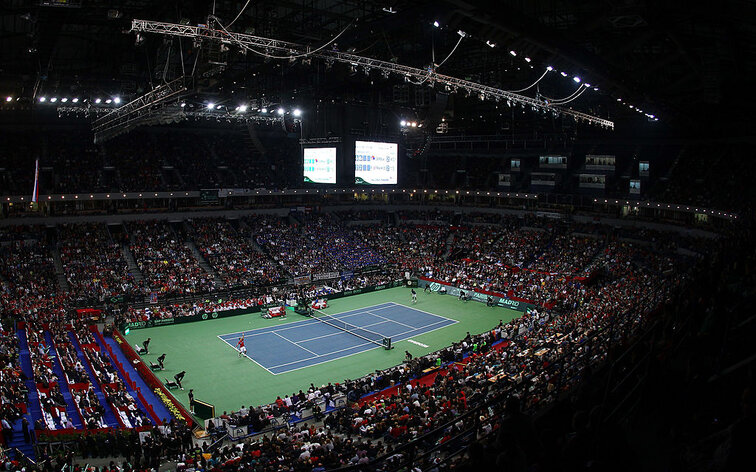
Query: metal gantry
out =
(269, 47)
(123, 118)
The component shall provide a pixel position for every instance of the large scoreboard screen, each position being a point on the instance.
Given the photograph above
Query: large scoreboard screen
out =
(319, 165)
(375, 163)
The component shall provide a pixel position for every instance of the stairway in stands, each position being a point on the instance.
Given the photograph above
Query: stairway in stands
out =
(33, 411)
(247, 233)
(203, 263)
(117, 234)
(131, 263)
(72, 410)
(60, 274)
(109, 415)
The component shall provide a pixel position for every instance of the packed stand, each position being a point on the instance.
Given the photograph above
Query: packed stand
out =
(231, 255)
(339, 242)
(93, 262)
(28, 285)
(167, 265)
(567, 254)
(12, 388)
(78, 381)
(289, 246)
(536, 357)
(51, 400)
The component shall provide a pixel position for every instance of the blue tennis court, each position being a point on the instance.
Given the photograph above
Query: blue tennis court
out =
(280, 349)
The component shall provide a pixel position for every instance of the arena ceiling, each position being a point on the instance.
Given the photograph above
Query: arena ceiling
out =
(688, 63)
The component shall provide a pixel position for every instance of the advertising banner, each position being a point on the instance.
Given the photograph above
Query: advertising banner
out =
(478, 296)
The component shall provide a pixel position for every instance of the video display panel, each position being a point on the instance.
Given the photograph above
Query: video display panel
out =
(319, 165)
(375, 163)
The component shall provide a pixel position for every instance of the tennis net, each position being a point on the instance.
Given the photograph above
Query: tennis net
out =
(354, 330)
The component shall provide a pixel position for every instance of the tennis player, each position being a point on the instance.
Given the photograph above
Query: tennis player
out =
(241, 347)
(414, 295)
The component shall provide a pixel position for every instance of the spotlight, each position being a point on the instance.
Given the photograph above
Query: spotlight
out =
(242, 108)
(461, 33)
(414, 124)
(576, 79)
(64, 99)
(527, 59)
(183, 105)
(264, 110)
(75, 100)
(512, 52)
(280, 111)
(490, 44)
(587, 84)
(436, 24)
(564, 74)
(218, 107)
(98, 101)
(402, 123)
(297, 112)
(549, 68)
(210, 106)
(54, 99)
(108, 101)
(8, 99)
(117, 100)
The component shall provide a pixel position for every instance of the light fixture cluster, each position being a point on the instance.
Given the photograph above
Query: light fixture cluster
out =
(116, 100)
(513, 53)
(650, 116)
(418, 76)
(244, 108)
(410, 124)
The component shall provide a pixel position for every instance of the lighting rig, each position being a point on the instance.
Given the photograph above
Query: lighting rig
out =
(139, 111)
(266, 46)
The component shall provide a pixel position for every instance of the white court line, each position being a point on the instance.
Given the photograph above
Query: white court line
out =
(339, 332)
(294, 325)
(389, 319)
(426, 312)
(416, 342)
(248, 357)
(326, 354)
(359, 352)
(357, 345)
(292, 342)
(305, 323)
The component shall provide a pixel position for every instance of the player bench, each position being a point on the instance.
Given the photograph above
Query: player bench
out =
(275, 312)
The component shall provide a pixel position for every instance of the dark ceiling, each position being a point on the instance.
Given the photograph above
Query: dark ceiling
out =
(686, 62)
